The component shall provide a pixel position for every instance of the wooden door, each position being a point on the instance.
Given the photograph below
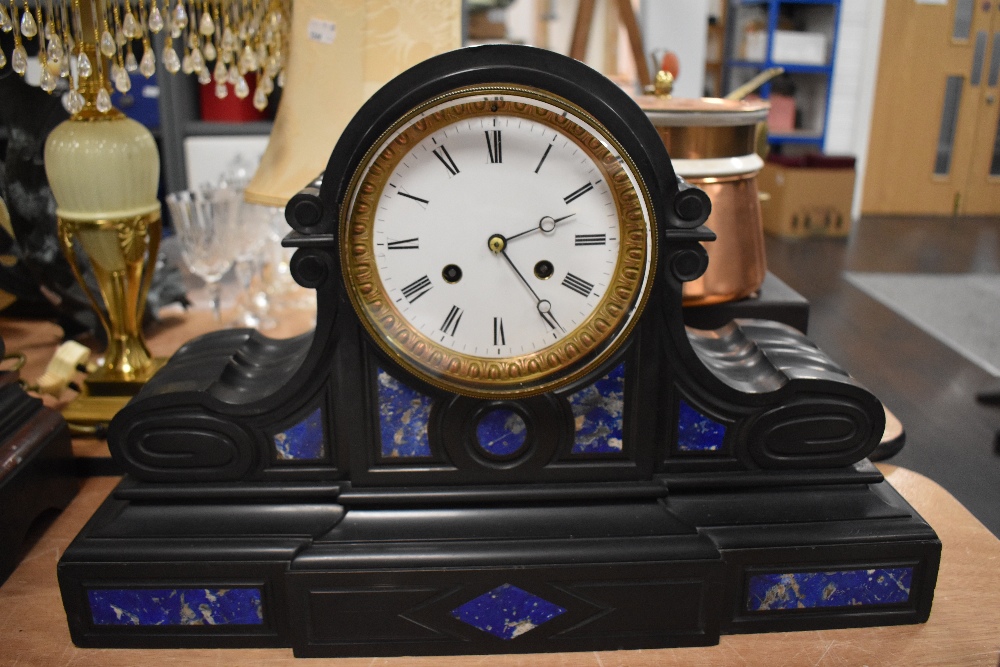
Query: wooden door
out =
(982, 196)
(926, 122)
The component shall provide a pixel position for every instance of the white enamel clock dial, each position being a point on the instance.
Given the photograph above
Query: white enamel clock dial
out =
(498, 243)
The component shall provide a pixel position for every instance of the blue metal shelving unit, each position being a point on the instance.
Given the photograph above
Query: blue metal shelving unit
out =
(773, 7)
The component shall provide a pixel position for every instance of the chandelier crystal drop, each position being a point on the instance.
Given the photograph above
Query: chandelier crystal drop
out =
(75, 101)
(123, 83)
(130, 27)
(226, 43)
(147, 66)
(206, 26)
(54, 50)
(28, 26)
(83, 67)
(5, 23)
(197, 60)
(103, 102)
(107, 45)
(260, 99)
(47, 81)
(171, 62)
(242, 88)
(180, 16)
(155, 20)
(19, 60)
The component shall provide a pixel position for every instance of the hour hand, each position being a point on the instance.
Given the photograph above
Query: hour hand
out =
(546, 224)
(498, 245)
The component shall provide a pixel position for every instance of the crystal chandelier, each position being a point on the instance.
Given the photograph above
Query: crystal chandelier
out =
(225, 42)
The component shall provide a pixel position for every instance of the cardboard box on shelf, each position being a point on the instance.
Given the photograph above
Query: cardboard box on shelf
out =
(801, 48)
(807, 196)
(755, 45)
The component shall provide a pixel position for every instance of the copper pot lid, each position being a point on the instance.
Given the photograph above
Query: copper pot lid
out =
(702, 112)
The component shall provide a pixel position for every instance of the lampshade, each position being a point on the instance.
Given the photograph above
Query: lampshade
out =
(341, 53)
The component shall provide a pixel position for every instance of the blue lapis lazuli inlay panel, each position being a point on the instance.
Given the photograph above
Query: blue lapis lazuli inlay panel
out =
(176, 606)
(597, 411)
(501, 432)
(403, 415)
(696, 432)
(304, 441)
(507, 612)
(846, 588)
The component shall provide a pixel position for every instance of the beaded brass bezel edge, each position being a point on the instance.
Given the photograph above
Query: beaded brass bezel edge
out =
(574, 355)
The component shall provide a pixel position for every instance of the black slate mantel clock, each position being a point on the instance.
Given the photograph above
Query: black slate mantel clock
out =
(500, 436)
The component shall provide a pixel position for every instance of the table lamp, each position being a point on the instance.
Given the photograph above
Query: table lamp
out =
(104, 168)
(104, 171)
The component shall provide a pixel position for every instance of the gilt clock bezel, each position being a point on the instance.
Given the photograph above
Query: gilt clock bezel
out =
(573, 356)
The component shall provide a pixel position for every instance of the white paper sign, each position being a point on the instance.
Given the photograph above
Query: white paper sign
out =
(322, 31)
(931, 2)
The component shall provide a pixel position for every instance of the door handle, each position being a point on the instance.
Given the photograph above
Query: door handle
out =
(978, 59)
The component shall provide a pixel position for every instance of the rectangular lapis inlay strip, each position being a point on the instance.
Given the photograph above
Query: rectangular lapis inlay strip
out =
(176, 606)
(403, 416)
(597, 414)
(845, 588)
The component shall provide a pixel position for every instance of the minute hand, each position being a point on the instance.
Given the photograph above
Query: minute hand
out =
(547, 221)
(543, 305)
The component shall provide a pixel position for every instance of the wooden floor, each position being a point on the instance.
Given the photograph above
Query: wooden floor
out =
(930, 387)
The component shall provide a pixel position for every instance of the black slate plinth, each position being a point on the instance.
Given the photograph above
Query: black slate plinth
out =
(775, 300)
(338, 579)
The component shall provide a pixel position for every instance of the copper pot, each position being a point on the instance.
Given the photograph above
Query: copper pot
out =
(711, 142)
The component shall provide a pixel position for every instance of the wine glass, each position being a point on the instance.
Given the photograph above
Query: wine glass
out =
(250, 235)
(204, 222)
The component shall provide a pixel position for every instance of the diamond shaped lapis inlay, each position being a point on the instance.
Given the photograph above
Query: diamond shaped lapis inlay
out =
(507, 612)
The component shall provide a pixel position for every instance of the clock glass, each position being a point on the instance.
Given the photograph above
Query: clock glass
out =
(498, 242)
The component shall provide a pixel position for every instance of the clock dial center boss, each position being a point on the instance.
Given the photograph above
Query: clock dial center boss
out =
(499, 242)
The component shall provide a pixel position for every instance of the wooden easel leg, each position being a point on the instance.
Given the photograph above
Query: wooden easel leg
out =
(627, 15)
(581, 29)
(581, 35)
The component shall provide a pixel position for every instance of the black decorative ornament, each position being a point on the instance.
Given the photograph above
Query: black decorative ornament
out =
(37, 471)
(487, 445)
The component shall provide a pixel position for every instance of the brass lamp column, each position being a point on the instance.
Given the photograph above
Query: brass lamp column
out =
(104, 169)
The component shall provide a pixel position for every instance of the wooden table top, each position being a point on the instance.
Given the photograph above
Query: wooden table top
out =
(964, 626)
